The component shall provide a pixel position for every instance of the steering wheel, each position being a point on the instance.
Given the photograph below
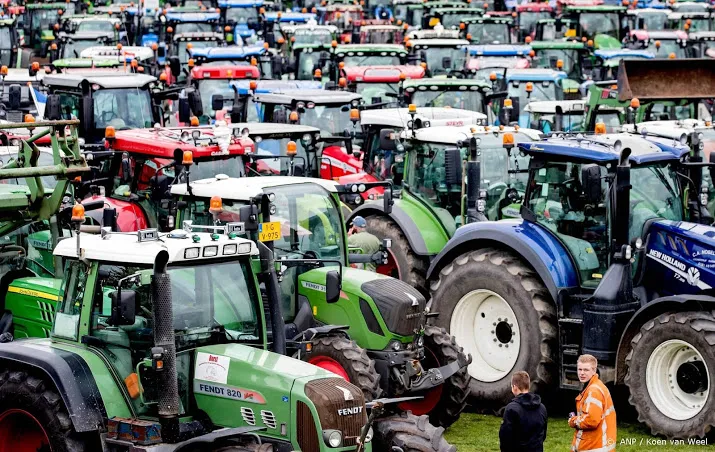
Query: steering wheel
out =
(643, 199)
(496, 189)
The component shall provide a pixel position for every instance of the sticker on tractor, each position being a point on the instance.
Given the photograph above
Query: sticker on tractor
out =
(228, 392)
(212, 367)
(313, 286)
(268, 232)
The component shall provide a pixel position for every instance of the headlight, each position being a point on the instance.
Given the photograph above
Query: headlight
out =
(684, 139)
(307, 138)
(700, 136)
(396, 346)
(230, 249)
(211, 251)
(191, 253)
(368, 437)
(421, 341)
(333, 438)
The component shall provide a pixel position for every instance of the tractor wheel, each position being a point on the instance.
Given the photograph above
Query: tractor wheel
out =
(671, 366)
(402, 263)
(498, 309)
(345, 358)
(443, 403)
(253, 447)
(33, 417)
(409, 433)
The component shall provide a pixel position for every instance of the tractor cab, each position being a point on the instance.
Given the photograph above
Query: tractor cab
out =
(568, 116)
(702, 44)
(96, 23)
(450, 18)
(15, 98)
(409, 11)
(189, 20)
(650, 19)
(489, 30)
(343, 16)
(692, 22)
(605, 25)
(243, 18)
(268, 65)
(353, 55)
(274, 21)
(553, 29)
(527, 85)
(606, 62)
(380, 85)
(10, 52)
(465, 94)
(244, 108)
(528, 15)
(215, 82)
(368, 33)
(662, 44)
(40, 22)
(442, 56)
(485, 60)
(566, 56)
(183, 45)
(308, 48)
(71, 45)
(690, 7)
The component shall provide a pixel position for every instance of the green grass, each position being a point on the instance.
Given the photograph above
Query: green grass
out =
(480, 433)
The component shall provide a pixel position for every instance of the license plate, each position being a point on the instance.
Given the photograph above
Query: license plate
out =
(268, 232)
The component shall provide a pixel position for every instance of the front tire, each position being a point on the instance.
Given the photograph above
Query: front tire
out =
(409, 433)
(499, 310)
(671, 369)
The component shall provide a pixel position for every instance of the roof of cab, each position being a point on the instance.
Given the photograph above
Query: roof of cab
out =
(317, 96)
(245, 188)
(398, 117)
(535, 75)
(451, 134)
(499, 50)
(383, 73)
(104, 80)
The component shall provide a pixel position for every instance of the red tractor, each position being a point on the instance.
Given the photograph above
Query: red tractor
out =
(380, 85)
(214, 85)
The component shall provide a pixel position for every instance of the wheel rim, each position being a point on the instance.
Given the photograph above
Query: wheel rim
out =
(430, 398)
(391, 268)
(486, 326)
(677, 379)
(21, 432)
(328, 364)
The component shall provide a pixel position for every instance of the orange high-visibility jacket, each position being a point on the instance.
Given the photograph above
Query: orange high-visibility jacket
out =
(595, 420)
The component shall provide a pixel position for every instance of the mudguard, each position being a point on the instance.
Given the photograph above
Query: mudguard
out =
(406, 223)
(651, 310)
(326, 330)
(72, 378)
(532, 243)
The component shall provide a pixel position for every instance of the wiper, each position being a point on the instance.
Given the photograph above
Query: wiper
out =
(430, 103)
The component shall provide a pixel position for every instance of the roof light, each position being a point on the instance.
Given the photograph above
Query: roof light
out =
(635, 103)
(342, 82)
(266, 46)
(469, 36)
(169, 30)
(318, 74)
(215, 205)
(508, 103)
(402, 76)
(281, 41)
(559, 64)
(53, 46)
(3, 70)
(194, 121)
(191, 62)
(657, 44)
(529, 87)
(155, 47)
(252, 85)
(35, 66)
(589, 43)
(262, 11)
(254, 61)
(354, 115)
(78, 213)
(188, 158)
(163, 76)
(341, 65)
(600, 128)
(423, 64)
(293, 117)
(119, 47)
(412, 108)
(528, 40)
(291, 148)
(672, 55)
(110, 133)
(507, 139)
(29, 118)
(334, 44)
(462, 25)
(134, 64)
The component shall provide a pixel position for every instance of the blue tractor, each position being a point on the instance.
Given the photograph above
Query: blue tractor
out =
(270, 65)
(601, 262)
(243, 18)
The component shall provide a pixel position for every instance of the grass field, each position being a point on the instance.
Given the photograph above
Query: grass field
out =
(480, 433)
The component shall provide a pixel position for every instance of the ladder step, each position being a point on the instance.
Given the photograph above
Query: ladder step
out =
(571, 321)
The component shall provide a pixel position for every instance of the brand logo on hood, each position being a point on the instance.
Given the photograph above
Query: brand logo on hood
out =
(346, 393)
(349, 411)
(693, 276)
(415, 302)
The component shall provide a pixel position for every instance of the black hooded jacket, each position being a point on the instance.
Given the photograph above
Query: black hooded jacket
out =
(524, 425)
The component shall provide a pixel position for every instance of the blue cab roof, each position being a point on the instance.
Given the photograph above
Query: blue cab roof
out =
(240, 3)
(192, 16)
(498, 50)
(289, 17)
(534, 75)
(270, 86)
(219, 53)
(604, 148)
(623, 53)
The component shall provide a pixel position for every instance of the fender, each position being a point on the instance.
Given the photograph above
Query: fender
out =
(72, 378)
(532, 243)
(325, 330)
(399, 216)
(130, 216)
(675, 303)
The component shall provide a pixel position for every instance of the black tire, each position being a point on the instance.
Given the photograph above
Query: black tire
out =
(409, 433)
(506, 275)
(353, 359)
(39, 398)
(412, 268)
(698, 330)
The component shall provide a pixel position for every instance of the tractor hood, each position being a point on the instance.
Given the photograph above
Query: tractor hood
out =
(680, 257)
(241, 385)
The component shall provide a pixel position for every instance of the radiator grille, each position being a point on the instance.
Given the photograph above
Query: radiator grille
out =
(307, 431)
(334, 411)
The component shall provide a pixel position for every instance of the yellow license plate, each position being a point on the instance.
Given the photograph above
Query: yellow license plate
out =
(267, 232)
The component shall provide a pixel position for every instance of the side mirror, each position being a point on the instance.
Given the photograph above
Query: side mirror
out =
(387, 201)
(195, 103)
(87, 112)
(249, 216)
(446, 63)
(559, 119)
(387, 140)
(175, 66)
(14, 96)
(591, 181)
(53, 109)
(453, 166)
(184, 110)
(332, 286)
(123, 307)
(277, 66)
(216, 102)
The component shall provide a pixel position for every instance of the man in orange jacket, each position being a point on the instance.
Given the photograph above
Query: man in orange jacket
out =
(595, 420)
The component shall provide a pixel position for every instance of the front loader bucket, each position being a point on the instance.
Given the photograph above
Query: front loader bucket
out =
(666, 79)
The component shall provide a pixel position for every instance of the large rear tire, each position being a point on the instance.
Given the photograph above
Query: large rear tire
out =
(409, 433)
(671, 369)
(345, 358)
(499, 310)
(403, 262)
(33, 417)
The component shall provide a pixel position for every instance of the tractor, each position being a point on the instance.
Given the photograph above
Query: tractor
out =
(602, 263)
(374, 334)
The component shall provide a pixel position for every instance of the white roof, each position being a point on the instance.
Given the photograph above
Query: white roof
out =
(674, 129)
(549, 106)
(439, 42)
(125, 247)
(245, 188)
(450, 135)
(138, 52)
(437, 116)
(16, 75)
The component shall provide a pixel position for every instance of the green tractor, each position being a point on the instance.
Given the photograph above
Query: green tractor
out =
(434, 201)
(562, 55)
(601, 23)
(40, 23)
(374, 333)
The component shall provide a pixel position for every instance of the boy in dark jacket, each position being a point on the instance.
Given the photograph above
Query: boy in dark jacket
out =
(524, 425)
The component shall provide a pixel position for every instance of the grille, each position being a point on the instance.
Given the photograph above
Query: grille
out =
(248, 416)
(268, 419)
(335, 412)
(401, 305)
(307, 432)
(14, 116)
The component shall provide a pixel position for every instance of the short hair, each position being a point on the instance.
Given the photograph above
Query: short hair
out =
(588, 359)
(521, 380)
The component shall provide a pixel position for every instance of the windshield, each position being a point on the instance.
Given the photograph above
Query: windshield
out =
(599, 23)
(332, 120)
(571, 122)
(451, 20)
(73, 49)
(546, 90)
(654, 193)
(96, 25)
(441, 60)
(122, 108)
(376, 92)
(209, 87)
(232, 166)
(653, 22)
(467, 100)
(277, 147)
(242, 15)
(696, 24)
(528, 20)
(376, 36)
(44, 19)
(5, 40)
(667, 46)
(371, 60)
(313, 37)
(547, 58)
(488, 33)
(308, 62)
(184, 55)
(45, 159)
(193, 27)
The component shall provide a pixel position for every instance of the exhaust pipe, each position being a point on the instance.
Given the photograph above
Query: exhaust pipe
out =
(167, 379)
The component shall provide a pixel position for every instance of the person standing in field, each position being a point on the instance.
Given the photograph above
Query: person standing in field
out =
(595, 419)
(525, 418)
